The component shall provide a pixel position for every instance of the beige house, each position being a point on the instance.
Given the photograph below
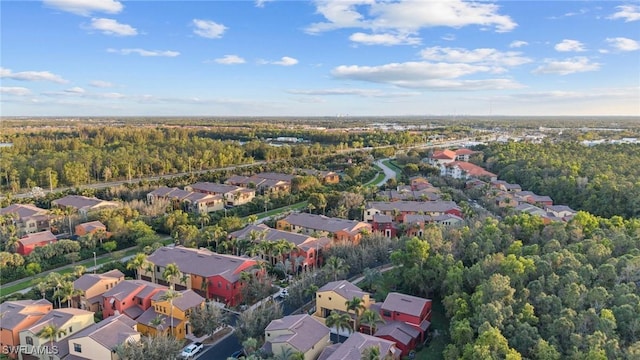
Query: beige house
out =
(70, 321)
(28, 218)
(296, 334)
(334, 295)
(98, 340)
(93, 286)
(233, 195)
(82, 204)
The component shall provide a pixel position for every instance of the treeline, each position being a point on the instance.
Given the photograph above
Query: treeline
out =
(603, 179)
(520, 289)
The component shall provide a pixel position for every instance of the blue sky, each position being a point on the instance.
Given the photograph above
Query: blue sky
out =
(319, 58)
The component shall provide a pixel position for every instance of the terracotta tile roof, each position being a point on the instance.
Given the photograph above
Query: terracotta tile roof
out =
(414, 206)
(200, 262)
(188, 299)
(356, 344)
(471, 169)
(406, 304)
(57, 318)
(36, 238)
(109, 332)
(86, 281)
(271, 234)
(344, 288)
(304, 331)
(15, 312)
(82, 202)
(444, 155)
(400, 331)
(23, 211)
(465, 151)
(92, 226)
(324, 223)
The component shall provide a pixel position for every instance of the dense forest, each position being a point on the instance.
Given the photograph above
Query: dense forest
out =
(603, 179)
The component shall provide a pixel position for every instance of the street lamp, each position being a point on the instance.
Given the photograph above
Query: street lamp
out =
(95, 262)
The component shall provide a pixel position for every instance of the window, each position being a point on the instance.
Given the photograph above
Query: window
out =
(227, 286)
(386, 313)
(329, 298)
(29, 340)
(219, 284)
(70, 329)
(106, 286)
(77, 347)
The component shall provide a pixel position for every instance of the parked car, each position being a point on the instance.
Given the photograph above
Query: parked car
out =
(239, 354)
(191, 350)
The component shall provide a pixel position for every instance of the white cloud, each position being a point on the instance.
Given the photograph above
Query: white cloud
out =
(518, 44)
(448, 37)
(484, 56)
(208, 29)
(15, 90)
(112, 27)
(230, 60)
(567, 66)
(384, 39)
(407, 15)
(143, 52)
(627, 12)
(75, 90)
(284, 61)
(86, 7)
(623, 44)
(31, 76)
(101, 84)
(358, 92)
(424, 75)
(568, 45)
(260, 3)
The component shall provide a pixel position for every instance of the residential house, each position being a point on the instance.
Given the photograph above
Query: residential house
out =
(464, 154)
(129, 297)
(326, 177)
(233, 195)
(505, 186)
(27, 243)
(296, 334)
(475, 184)
(561, 211)
(340, 229)
(505, 199)
(267, 182)
(399, 209)
(356, 345)
(82, 204)
(196, 202)
(384, 224)
(93, 286)
(70, 321)
(99, 340)
(90, 228)
(28, 218)
(543, 200)
(160, 310)
(333, 297)
(419, 183)
(465, 170)
(427, 194)
(212, 275)
(441, 157)
(412, 310)
(404, 335)
(308, 250)
(17, 316)
(415, 224)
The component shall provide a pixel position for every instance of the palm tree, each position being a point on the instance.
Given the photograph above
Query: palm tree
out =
(51, 333)
(356, 305)
(371, 278)
(42, 286)
(66, 292)
(171, 273)
(371, 353)
(79, 270)
(337, 266)
(371, 318)
(170, 295)
(157, 323)
(136, 263)
(250, 345)
(340, 321)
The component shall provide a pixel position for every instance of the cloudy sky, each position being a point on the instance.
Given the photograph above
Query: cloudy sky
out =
(322, 57)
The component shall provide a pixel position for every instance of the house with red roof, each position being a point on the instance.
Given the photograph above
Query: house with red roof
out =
(27, 243)
(465, 170)
(306, 255)
(91, 227)
(441, 157)
(129, 297)
(211, 275)
(408, 309)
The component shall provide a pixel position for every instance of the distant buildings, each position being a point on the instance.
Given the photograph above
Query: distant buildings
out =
(339, 229)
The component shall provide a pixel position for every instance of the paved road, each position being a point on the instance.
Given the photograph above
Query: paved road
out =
(388, 172)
